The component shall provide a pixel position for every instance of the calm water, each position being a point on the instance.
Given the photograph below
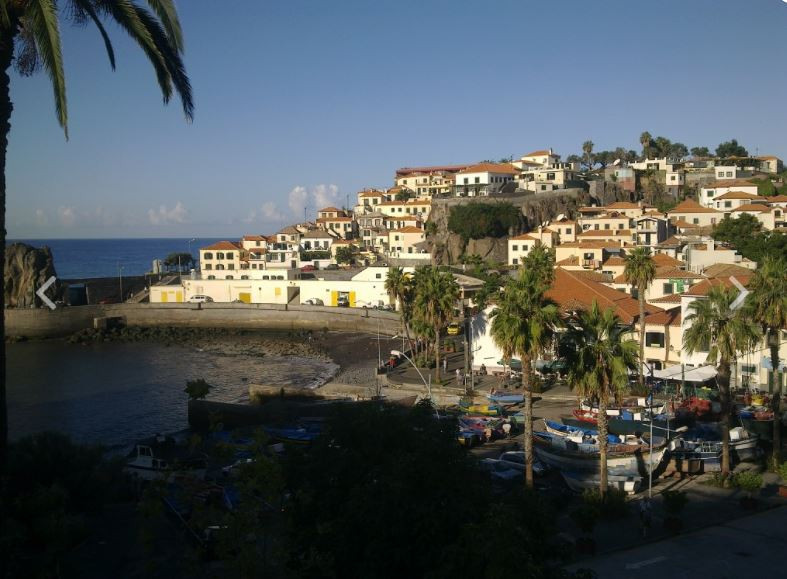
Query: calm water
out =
(78, 258)
(116, 393)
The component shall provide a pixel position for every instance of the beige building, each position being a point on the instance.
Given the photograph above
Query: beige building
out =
(222, 260)
(589, 254)
(734, 199)
(663, 338)
(402, 242)
(710, 191)
(625, 236)
(770, 217)
(567, 230)
(605, 221)
(341, 226)
(426, 184)
(692, 214)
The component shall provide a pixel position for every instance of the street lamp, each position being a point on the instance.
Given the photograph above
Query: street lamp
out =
(189, 243)
(428, 385)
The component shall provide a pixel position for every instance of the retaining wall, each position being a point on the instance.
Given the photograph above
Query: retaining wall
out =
(43, 322)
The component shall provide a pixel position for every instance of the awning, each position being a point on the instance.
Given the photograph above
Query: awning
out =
(701, 374)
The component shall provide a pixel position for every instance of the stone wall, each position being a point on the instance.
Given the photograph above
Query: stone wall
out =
(27, 268)
(43, 322)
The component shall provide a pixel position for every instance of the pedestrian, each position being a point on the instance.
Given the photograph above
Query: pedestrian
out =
(445, 365)
(458, 377)
(482, 370)
(644, 516)
(507, 429)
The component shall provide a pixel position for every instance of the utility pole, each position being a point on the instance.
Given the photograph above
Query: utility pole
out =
(467, 354)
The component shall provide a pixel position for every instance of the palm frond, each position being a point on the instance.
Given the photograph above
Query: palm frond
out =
(84, 9)
(42, 17)
(168, 16)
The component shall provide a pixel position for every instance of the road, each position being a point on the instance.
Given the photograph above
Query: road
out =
(754, 545)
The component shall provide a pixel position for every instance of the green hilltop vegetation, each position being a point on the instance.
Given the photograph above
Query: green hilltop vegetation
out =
(478, 220)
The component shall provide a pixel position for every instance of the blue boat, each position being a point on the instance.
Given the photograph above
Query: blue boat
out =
(566, 430)
(297, 434)
(505, 398)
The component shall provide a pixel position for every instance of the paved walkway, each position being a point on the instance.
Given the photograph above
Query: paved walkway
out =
(755, 545)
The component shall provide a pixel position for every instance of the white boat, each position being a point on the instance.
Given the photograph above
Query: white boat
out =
(579, 482)
(158, 457)
(622, 459)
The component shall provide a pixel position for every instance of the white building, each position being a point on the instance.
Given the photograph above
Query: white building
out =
(710, 191)
(484, 179)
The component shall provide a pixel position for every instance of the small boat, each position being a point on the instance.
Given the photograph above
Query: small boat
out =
(517, 458)
(484, 409)
(160, 456)
(623, 426)
(628, 459)
(581, 481)
(566, 430)
(506, 398)
(296, 434)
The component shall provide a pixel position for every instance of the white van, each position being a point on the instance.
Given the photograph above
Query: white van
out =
(200, 299)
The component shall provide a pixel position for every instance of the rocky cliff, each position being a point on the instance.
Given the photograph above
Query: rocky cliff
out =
(537, 208)
(26, 269)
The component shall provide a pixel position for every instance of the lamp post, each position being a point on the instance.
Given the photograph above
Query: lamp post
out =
(189, 244)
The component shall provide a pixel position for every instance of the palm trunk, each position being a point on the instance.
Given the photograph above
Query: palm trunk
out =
(602, 441)
(641, 296)
(437, 352)
(528, 421)
(723, 382)
(6, 56)
(776, 395)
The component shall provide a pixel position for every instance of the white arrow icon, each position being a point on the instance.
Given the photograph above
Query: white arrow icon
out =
(40, 293)
(742, 293)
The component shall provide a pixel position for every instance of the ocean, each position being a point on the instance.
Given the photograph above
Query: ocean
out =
(85, 258)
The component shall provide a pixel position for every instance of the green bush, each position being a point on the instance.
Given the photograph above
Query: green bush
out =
(612, 506)
(782, 470)
(748, 481)
(197, 389)
(674, 501)
(478, 220)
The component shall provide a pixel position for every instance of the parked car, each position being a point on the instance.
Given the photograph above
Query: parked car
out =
(313, 302)
(308, 268)
(343, 302)
(331, 266)
(454, 329)
(200, 299)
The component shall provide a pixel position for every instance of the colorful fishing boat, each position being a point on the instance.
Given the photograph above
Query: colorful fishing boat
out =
(483, 409)
(632, 459)
(566, 430)
(506, 398)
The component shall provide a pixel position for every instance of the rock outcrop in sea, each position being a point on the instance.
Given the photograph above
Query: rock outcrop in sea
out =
(26, 269)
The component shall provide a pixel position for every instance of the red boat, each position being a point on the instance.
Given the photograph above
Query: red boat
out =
(585, 416)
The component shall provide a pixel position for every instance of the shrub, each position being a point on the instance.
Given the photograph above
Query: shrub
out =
(586, 516)
(197, 389)
(612, 506)
(478, 220)
(782, 470)
(674, 501)
(748, 481)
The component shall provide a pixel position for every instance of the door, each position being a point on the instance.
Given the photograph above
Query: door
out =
(179, 297)
(352, 299)
(334, 298)
(164, 297)
(245, 297)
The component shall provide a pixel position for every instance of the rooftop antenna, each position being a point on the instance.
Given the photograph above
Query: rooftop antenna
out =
(305, 212)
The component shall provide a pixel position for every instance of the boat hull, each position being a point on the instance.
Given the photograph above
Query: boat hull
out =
(579, 482)
(622, 427)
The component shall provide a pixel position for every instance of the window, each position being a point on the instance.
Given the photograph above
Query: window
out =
(710, 192)
(568, 230)
(514, 248)
(378, 276)
(219, 255)
(729, 173)
(728, 204)
(668, 288)
(244, 277)
(478, 179)
(207, 255)
(229, 277)
(230, 266)
(207, 266)
(515, 261)
(550, 176)
(695, 221)
(219, 266)
(606, 226)
(211, 277)
(229, 255)
(721, 174)
(748, 369)
(466, 181)
(672, 177)
(543, 187)
(654, 339)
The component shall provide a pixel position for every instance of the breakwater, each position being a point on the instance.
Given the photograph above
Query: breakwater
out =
(42, 322)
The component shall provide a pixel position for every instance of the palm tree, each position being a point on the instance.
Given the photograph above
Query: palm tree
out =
(399, 287)
(436, 293)
(723, 332)
(587, 152)
(523, 323)
(645, 139)
(31, 29)
(639, 272)
(599, 363)
(541, 260)
(767, 306)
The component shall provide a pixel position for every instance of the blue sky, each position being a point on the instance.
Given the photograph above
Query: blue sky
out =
(301, 103)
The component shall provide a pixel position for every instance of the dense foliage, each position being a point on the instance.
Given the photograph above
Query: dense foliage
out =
(746, 234)
(478, 220)
(731, 148)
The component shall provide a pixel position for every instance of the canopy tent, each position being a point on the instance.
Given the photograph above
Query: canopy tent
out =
(700, 374)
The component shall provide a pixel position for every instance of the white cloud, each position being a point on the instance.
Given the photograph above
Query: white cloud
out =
(165, 216)
(325, 195)
(297, 199)
(270, 212)
(319, 196)
(67, 216)
(42, 219)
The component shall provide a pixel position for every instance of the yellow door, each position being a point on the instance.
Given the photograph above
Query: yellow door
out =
(245, 297)
(352, 299)
(334, 298)
(277, 291)
(179, 297)
(164, 297)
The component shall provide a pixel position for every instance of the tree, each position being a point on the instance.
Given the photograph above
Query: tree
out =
(32, 30)
(731, 148)
(344, 255)
(522, 324)
(678, 151)
(647, 142)
(400, 289)
(767, 306)
(403, 195)
(599, 360)
(639, 272)
(724, 333)
(197, 389)
(746, 234)
(541, 260)
(587, 153)
(179, 260)
(662, 146)
(573, 159)
(477, 220)
(436, 293)
(700, 152)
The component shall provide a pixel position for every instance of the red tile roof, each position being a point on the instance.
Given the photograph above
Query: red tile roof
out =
(729, 183)
(670, 272)
(737, 195)
(662, 259)
(225, 245)
(540, 153)
(572, 291)
(524, 236)
(691, 206)
(491, 168)
(754, 207)
(704, 287)
(664, 318)
(408, 229)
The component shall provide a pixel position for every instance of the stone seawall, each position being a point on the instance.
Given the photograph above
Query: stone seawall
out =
(42, 322)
